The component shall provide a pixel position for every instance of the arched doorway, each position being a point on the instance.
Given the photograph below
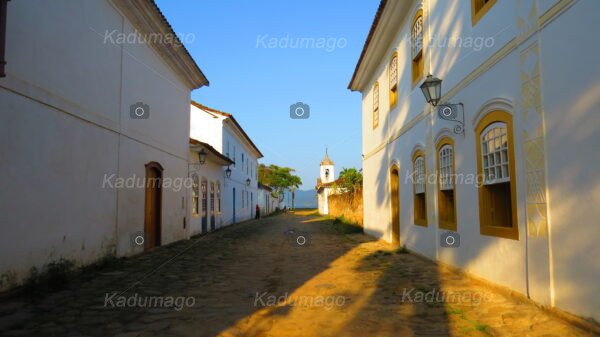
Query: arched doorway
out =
(153, 205)
(395, 204)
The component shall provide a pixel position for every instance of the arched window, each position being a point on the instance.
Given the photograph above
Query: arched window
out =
(419, 187)
(479, 8)
(375, 105)
(446, 184)
(393, 74)
(416, 43)
(195, 194)
(496, 168)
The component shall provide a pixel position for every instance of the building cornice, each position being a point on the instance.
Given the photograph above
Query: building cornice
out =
(233, 124)
(388, 19)
(147, 19)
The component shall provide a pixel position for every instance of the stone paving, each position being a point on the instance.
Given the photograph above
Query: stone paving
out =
(254, 279)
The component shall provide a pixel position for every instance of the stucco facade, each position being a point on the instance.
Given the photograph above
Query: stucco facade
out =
(224, 134)
(531, 60)
(68, 135)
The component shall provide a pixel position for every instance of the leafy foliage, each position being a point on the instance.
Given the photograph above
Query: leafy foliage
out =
(278, 178)
(350, 179)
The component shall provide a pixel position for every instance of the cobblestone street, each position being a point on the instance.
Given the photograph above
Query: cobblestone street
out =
(253, 279)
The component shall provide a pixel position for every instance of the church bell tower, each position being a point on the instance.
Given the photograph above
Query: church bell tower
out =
(327, 169)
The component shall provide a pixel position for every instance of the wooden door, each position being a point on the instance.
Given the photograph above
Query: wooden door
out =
(153, 205)
(395, 201)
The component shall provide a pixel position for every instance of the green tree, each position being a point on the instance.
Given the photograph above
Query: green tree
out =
(350, 180)
(279, 179)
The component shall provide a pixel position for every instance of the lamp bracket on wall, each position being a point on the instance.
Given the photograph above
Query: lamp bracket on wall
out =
(453, 113)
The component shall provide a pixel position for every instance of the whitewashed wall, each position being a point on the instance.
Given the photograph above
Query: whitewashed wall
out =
(219, 132)
(569, 94)
(245, 210)
(571, 100)
(64, 107)
(211, 172)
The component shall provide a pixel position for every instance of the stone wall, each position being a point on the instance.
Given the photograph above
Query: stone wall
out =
(348, 205)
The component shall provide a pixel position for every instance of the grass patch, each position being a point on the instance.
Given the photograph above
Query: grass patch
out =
(58, 275)
(454, 311)
(55, 276)
(342, 225)
(402, 250)
(481, 327)
(474, 325)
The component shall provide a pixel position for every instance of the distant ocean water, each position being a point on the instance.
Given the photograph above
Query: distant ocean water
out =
(304, 199)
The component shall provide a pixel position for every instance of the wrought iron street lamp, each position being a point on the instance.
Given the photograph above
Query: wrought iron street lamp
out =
(432, 89)
(202, 156)
(248, 182)
(228, 172)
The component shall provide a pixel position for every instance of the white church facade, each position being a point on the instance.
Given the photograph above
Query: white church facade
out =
(325, 184)
(509, 170)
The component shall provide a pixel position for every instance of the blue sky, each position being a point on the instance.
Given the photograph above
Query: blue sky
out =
(229, 39)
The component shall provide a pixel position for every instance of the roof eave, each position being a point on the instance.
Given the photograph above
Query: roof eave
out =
(235, 124)
(388, 18)
(147, 18)
(216, 156)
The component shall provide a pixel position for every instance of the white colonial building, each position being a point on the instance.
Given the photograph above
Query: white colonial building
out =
(238, 191)
(208, 173)
(266, 201)
(510, 169)
(88, 115)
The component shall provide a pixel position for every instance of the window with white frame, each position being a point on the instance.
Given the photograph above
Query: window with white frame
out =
(494, 151)
(446, 195)
(394, 72)
(446, 170)
(416, 41)
(419, 175)
(393, 79)
(419, 199)
(417, 36)
(496, 165)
